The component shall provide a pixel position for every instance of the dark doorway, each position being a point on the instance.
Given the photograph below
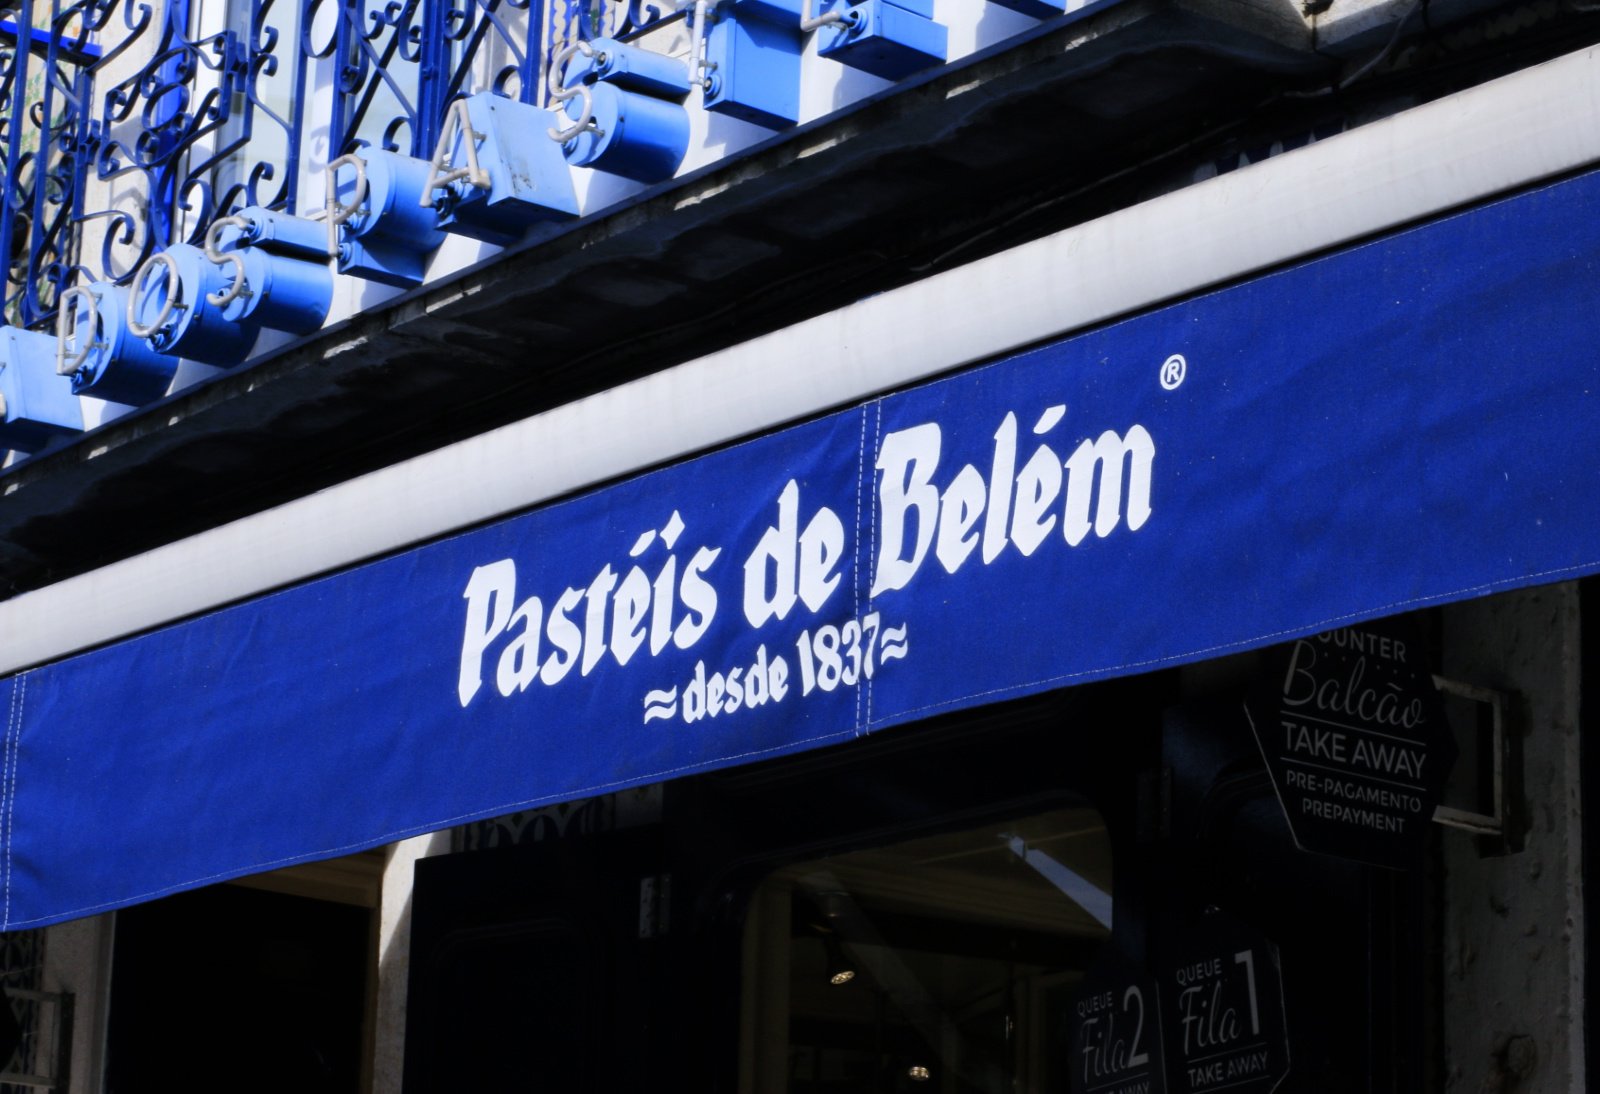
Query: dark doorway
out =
(228, 988)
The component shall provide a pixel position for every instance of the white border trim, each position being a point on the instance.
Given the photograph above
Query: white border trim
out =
(1474, 144)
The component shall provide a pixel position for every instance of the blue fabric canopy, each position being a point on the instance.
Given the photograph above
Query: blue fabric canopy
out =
(1405, 423)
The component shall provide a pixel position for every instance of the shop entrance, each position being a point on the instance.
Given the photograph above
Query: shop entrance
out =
(943, 963)
(911, 912)
(238, 989)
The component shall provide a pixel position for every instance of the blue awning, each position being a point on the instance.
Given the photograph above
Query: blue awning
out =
(1405, 423)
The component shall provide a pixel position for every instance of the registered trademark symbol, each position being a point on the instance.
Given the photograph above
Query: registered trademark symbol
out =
(1173, 370)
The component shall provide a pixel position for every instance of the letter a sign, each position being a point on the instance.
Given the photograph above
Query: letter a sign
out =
(1354, 734)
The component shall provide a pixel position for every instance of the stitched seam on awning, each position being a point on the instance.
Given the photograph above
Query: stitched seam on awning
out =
(8, 784)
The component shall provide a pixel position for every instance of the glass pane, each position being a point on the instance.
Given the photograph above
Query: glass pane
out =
(938, 964)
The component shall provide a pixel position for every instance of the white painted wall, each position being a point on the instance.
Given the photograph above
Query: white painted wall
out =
(394, 957)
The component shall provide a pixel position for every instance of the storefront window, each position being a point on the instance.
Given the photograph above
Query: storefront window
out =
(944, 963)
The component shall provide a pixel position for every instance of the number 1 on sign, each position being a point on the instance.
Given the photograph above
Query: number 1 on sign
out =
(1247, 958)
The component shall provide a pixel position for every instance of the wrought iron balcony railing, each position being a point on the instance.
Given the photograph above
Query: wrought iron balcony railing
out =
(131, 125)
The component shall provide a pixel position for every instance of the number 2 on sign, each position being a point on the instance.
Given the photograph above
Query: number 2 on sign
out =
(838, 655)
(1135, 1057)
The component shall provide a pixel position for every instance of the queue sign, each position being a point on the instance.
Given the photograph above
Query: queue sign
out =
(1353, 732)
(1222, 1010)
(1115, 1042)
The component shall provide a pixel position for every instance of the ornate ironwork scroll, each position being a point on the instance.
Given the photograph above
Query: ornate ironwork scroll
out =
(130, 125)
